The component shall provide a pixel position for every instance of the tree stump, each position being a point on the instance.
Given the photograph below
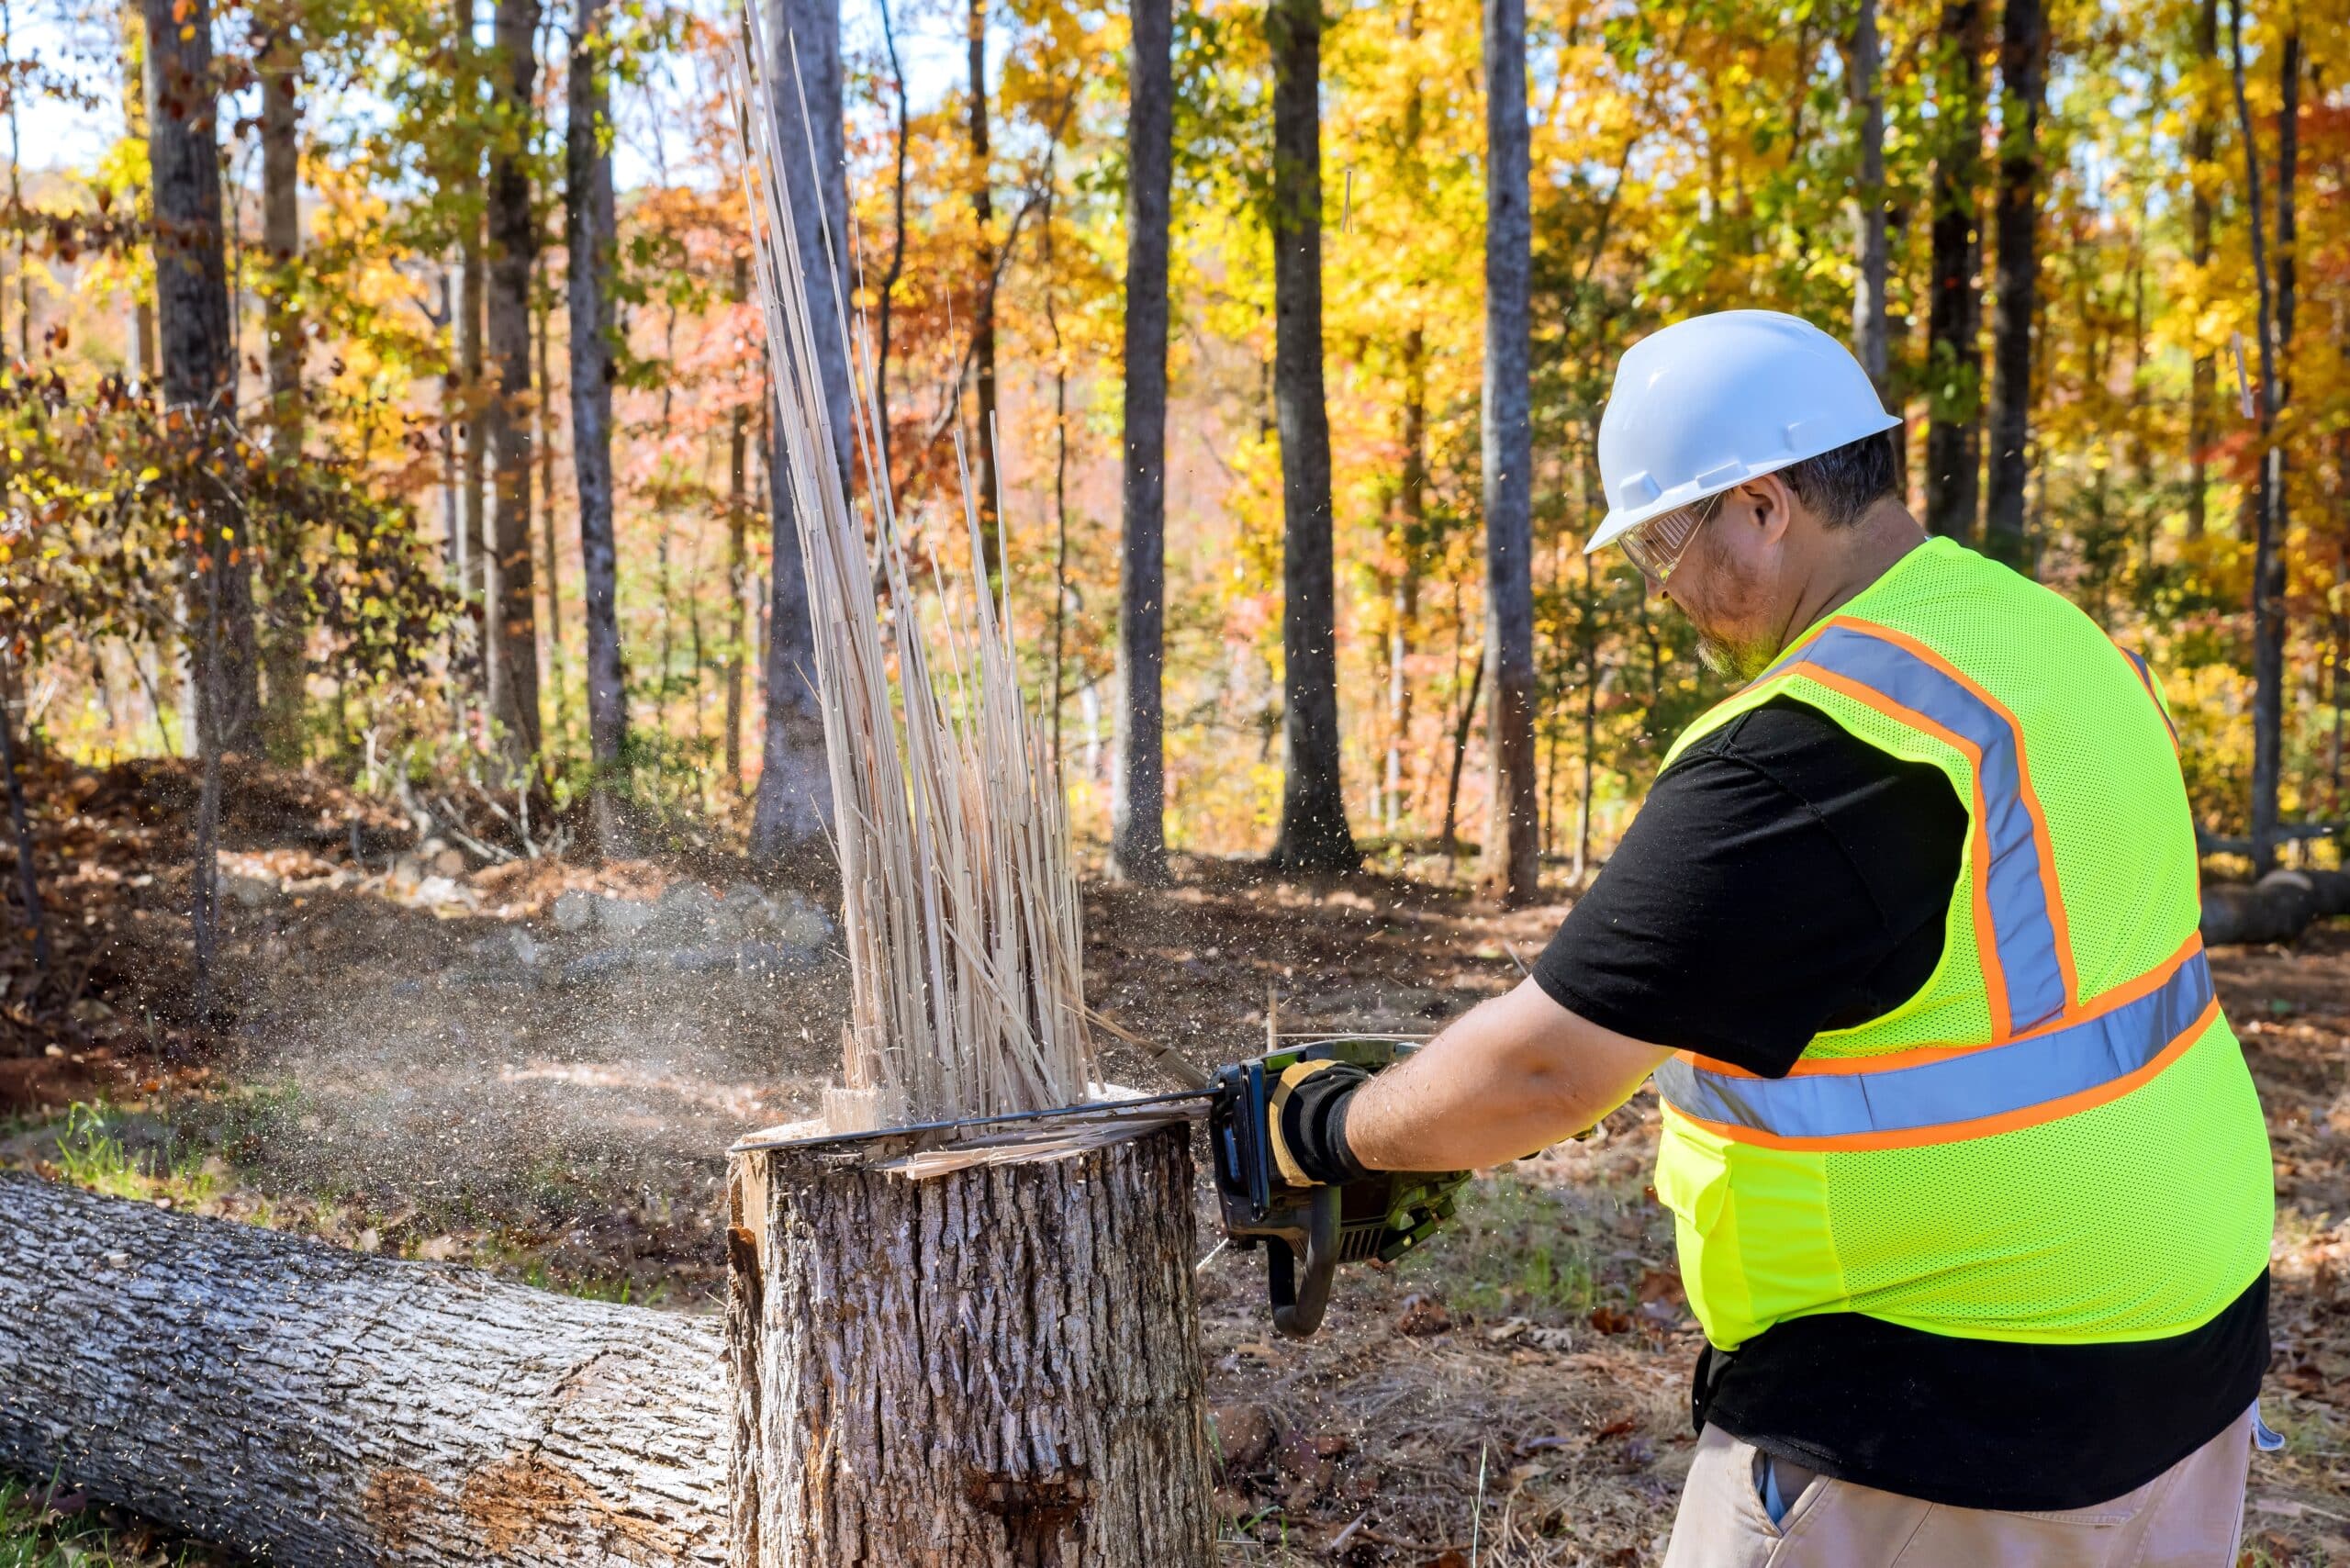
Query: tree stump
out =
(969, 1359)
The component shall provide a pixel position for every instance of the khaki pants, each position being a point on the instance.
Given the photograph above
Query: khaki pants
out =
(2188, 1517)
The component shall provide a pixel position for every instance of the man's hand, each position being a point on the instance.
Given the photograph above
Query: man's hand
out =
(1517, 1074)
(1306, 1112)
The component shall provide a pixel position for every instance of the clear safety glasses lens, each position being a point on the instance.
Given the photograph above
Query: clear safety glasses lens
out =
(1657, 545)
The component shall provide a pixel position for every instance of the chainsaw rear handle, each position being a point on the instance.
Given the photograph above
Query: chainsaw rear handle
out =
(1298, 1305)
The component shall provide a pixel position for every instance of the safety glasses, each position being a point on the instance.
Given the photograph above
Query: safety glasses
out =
(1657, 545)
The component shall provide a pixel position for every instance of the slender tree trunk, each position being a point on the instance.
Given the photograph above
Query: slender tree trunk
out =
(1060, 445)
(34, 929)
(794, 802)
(132, 25)
(198, 367)
(1313, 835)
(989, 1366)
(542, 437)
(738, 520)
(286, 625)
(510, 614)
(2272, 575)
(1404, 603)
(592, 235)
(2203, 378)
(2339, 600)
(1870, 344)
(1139, 784)
(473, 289)
(2023, 66)
(2268, 565)
(1590, 754)
(16, 190)
(984, 269)
(382, 1412)
(1449, 840)
(1954, 308)
(897, 268)
(1513, 846)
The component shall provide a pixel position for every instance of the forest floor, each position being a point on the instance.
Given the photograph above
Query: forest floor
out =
(534, 1066)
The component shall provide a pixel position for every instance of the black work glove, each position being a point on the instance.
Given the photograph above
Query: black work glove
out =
(1308, 1118)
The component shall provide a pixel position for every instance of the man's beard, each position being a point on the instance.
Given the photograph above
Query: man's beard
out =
(1729, 589)
(1732, 661)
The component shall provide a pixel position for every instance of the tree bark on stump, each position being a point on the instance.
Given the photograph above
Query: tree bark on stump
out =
(312, 1405)
(983, 1365)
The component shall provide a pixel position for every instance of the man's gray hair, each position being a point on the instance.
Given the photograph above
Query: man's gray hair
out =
(1842, 485)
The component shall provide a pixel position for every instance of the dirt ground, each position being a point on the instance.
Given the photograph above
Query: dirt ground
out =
(535, 1067)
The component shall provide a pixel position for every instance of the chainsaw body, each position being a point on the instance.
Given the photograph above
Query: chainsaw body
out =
(1308, 1231)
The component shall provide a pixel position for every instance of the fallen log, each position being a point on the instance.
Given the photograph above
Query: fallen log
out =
(2278, 908)
(963, 1359)
(308, 1404)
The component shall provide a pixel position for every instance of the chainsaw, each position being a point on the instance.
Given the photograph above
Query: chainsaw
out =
(1306, 1232)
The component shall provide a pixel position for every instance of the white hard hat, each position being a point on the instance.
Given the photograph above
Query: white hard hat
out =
(1717, 400)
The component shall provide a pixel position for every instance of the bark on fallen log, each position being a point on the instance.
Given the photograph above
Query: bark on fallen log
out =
(308, 1404)
(2278, 908)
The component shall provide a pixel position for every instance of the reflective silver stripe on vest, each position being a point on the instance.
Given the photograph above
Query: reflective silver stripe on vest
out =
(2023, 933)
(1989, 1082)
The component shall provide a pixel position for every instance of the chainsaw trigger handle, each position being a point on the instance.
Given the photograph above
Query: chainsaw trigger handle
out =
(1298, 1304)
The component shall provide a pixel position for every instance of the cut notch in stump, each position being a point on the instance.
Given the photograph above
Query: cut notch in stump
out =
(977, 1365)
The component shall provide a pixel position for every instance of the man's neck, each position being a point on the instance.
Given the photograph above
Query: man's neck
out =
(1863, 553)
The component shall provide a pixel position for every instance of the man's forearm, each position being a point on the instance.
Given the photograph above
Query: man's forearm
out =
(1517, 1074)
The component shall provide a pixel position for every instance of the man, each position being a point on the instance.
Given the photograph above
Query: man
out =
(1971, 1184)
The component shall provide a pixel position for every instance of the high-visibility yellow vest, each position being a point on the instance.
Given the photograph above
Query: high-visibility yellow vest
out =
(2056, 1140)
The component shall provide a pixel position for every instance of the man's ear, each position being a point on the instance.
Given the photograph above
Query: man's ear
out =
(1773, 505)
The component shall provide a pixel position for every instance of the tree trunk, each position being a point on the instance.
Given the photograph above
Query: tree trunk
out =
(473, 288)
(286, 627)
(995, 1366)
(542, 437)
(590, 236)
(1313, 835)
(198, 358)
(509, 615)
(138, 347)
(1449, 839)
(738, 522)
(2203, 378)
(2288, 173)
(1138, 777)
(1404, 603)
(313, 1406)
(2023, 67)
(788, 821)
(2268, 561)
(36, 924)
(1870, 344)
(984, 270)
(1513, 836)
(1954, 300)
(888, 291)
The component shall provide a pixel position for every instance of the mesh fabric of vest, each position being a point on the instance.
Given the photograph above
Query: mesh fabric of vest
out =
(2136, 1219)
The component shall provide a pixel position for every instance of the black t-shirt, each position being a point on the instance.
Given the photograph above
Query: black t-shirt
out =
(1784, 877)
